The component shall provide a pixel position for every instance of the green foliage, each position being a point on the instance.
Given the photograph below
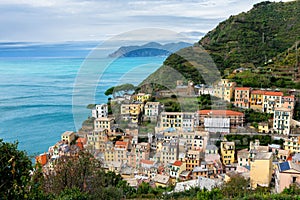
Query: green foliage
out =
(125, 87)
(120, 89)
(254, 116)
(266, 30)
(90, 106)
(243, 141)
(15, 169)
(237, 187)
(109, 91)
(73, 193)
(258, 40)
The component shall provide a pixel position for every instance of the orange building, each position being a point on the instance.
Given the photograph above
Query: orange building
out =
(242, 97)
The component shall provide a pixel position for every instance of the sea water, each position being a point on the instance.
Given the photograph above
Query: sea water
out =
(36, 96)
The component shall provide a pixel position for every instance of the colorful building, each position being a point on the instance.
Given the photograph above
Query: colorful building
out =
(132, 111)
(292, 144)
(286, 174)
(68, 137)
(178, 120)
(142, 97)
(103, 123)
(261, 170)
(96, 140)
(256, 99)
(288, 102)
(224, 89)
(271, 100)
(227, 152)
(193, 159)
(242, 97)
(176, 168)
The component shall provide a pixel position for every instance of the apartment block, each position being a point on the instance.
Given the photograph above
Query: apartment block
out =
(242, 97)
(227, 152)
(224, 89)
(271, 100)
(100, 111)
(132, 111)
(282, 120)
(256, 100)
(261, 170)
(222, 121)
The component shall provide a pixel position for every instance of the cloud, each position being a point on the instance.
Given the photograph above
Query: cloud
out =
(65, 20)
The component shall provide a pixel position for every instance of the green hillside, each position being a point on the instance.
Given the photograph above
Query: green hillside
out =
(251, 40)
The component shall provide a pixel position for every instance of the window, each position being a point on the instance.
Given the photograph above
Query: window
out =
(294, 179)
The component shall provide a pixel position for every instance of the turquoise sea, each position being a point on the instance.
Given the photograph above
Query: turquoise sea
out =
(36, 95)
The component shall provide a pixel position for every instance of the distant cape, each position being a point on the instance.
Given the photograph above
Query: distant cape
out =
(149, 50)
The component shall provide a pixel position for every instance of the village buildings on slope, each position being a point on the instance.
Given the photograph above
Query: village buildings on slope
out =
(143, 142)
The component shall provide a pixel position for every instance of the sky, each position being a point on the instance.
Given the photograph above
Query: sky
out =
(96, 20)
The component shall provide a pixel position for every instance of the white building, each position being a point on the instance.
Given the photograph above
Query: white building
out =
(271, 100)
(100, 111)
(152, 110)
(282, 120)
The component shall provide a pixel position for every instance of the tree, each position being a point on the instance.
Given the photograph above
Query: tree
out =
(119, 90)
(236, 187)
(109, 91)
(71, 172)
(15, 168)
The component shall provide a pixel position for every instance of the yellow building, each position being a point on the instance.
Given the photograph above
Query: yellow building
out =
(176, 169)
(178, 120)
(131, 111)
(96, 139)
(263, 127)
(142, 97)
(227, 152)
(161, 180)
(68, 137)
(224, 89)
(292, 144)
(256, 100)
(261, 170)
(103, 123)
(120, 151)
(193, 159)
(109, 153)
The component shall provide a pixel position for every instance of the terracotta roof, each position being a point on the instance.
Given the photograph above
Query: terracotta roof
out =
(291, 97)
(258, 92)
(177, 163)
(82, 140)
(269, 93)
(242, 88)
(220, 112)
(148, 162)
(122, 144)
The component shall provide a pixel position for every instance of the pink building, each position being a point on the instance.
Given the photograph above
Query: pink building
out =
(288, 102)
(242, 97)
(287, 173)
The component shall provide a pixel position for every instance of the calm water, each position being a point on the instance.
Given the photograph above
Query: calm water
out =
(36, 96)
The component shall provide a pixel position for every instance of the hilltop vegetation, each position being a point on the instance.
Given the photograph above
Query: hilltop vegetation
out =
(255, 37)
(260, 40)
